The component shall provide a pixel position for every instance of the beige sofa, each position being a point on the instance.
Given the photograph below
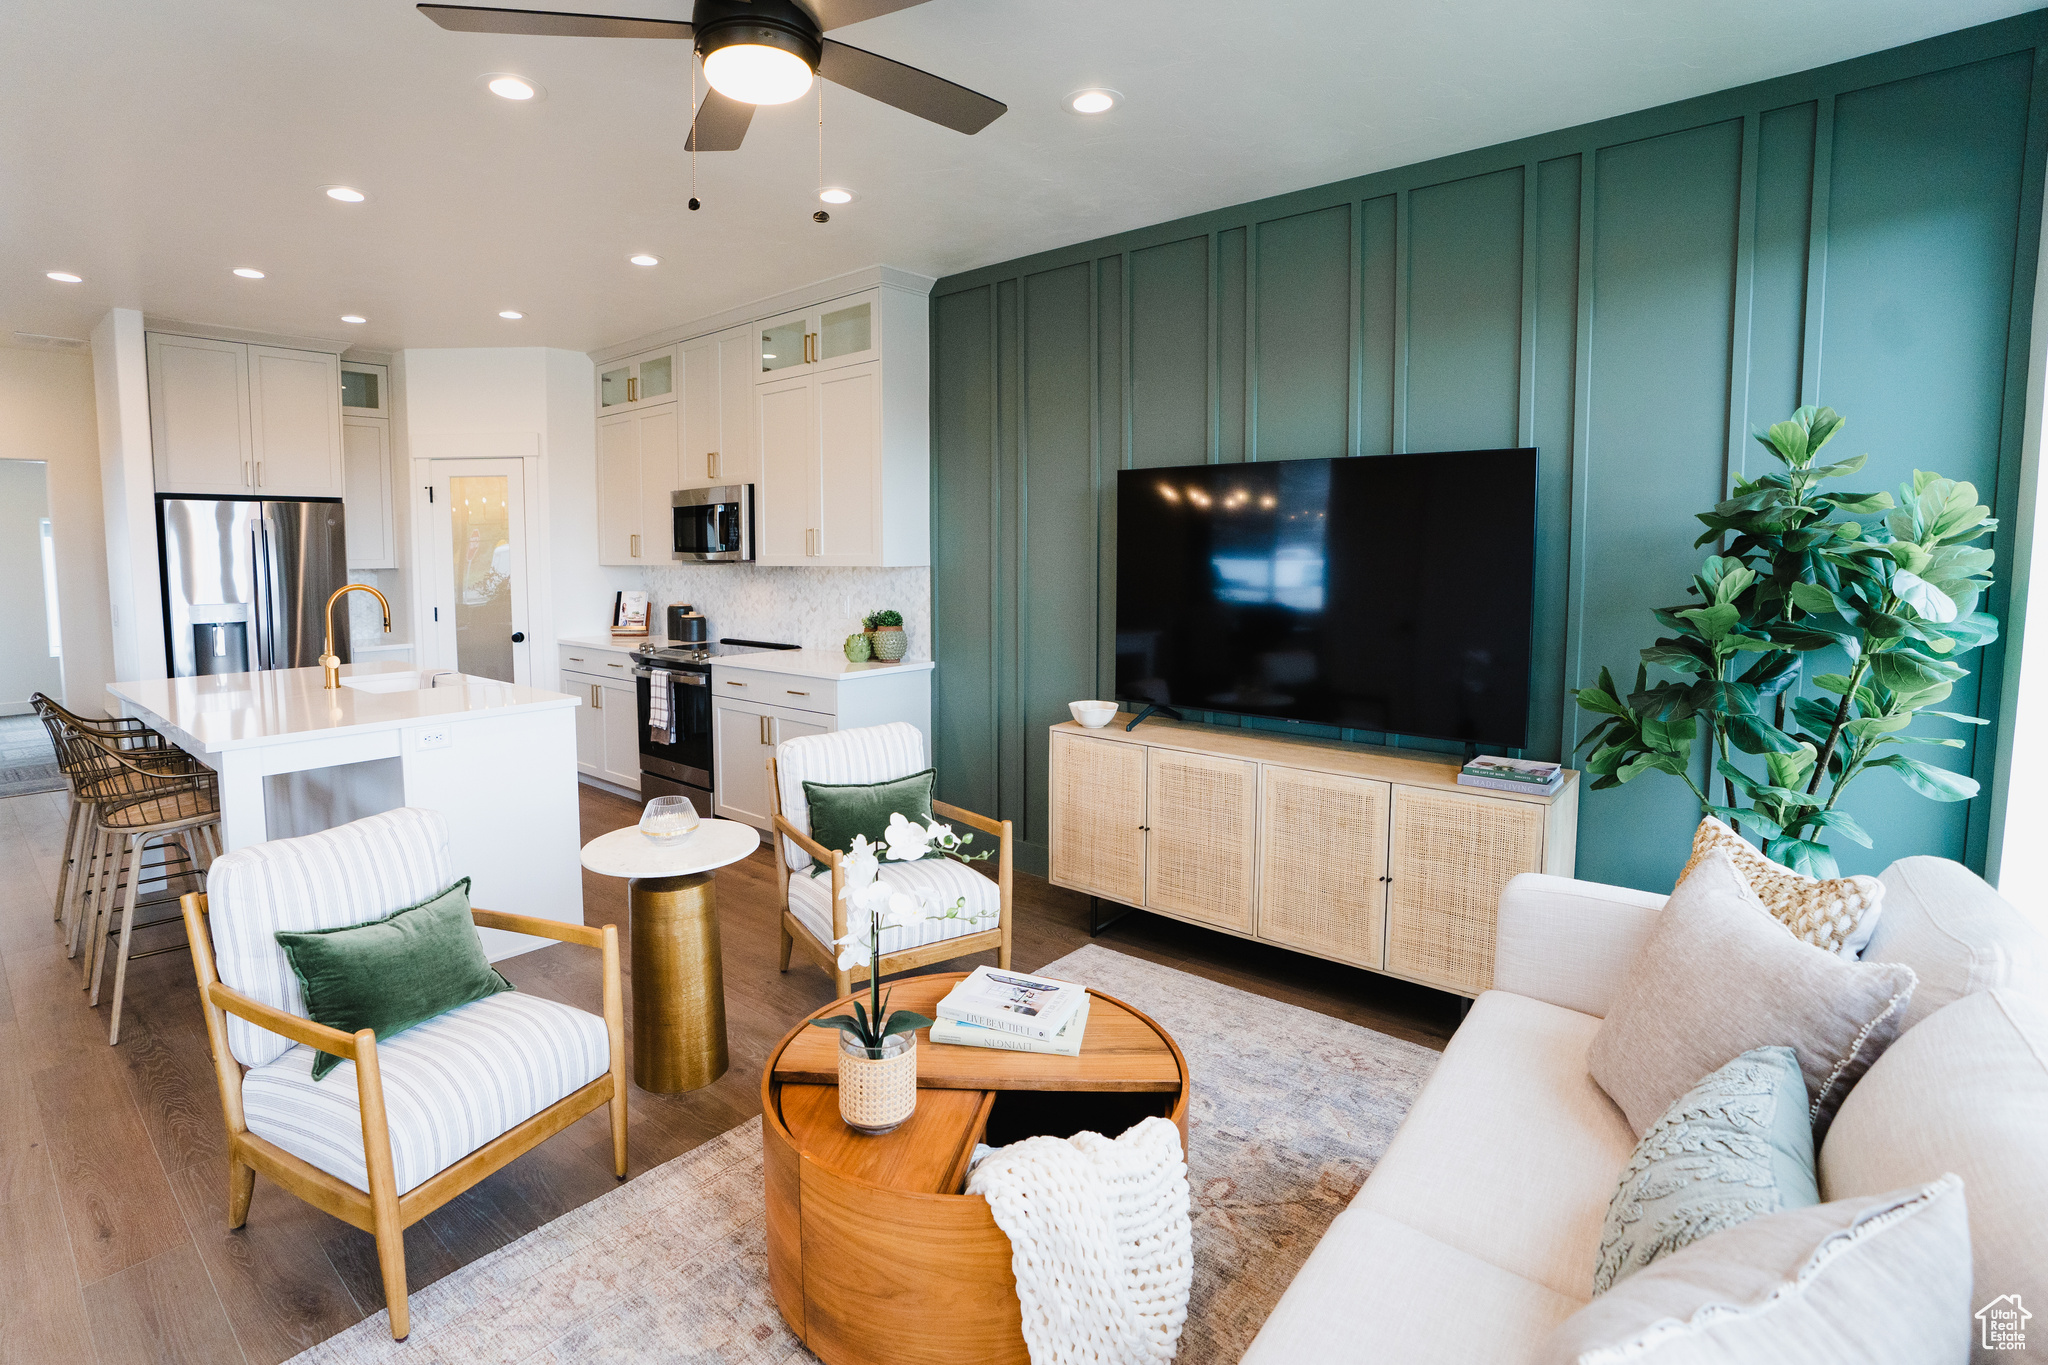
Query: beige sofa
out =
(1476, 1234)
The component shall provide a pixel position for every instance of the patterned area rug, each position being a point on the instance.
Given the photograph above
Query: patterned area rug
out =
(27, 762)
(1291, 1110)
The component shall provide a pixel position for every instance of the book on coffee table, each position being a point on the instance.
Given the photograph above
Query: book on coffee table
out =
(1067, 1043)
(1512, 774)
(1013, 1002)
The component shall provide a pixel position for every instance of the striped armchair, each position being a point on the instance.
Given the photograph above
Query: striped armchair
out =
(814, 915)
(401, 1126)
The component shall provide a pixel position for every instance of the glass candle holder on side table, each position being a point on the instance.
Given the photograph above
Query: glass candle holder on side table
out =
(669, 817)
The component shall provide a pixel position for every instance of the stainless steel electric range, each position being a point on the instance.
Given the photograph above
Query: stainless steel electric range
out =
(673, 685)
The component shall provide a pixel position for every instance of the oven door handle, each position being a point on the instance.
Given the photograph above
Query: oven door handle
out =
(685, 679)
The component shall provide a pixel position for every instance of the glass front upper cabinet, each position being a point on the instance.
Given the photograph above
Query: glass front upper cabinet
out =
(643, 380)
(838, 333)
(362, 390)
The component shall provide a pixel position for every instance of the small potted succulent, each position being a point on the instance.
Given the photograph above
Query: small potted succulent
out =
(885, 634)
(878, 1046)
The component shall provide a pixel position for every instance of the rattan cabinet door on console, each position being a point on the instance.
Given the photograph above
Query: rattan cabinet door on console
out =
(1202, 813)
(1323, 864)
(1449, 857)
(1098, 818)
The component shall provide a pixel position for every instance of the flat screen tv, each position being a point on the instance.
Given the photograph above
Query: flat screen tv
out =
(1388, 592)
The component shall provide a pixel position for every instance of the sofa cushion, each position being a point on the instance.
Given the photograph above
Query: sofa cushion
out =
(1957, 934)
(1966, 1091)
(940, 881)
(450, 1086)
(1838, 914)
(1734, 1147)
(1511, 1152)
(1720, 976)
(1377, 1292)
(1883, 1280)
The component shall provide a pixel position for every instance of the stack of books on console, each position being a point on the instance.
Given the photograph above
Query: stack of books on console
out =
(1512, 775)
(1014, 1012)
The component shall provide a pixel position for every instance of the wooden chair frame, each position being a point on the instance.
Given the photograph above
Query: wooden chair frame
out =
(795, 932)
(383, 1212)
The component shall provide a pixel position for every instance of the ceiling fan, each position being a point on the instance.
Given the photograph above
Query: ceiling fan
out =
(757, 52)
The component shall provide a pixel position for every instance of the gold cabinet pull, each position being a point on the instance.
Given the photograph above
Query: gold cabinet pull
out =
(633, 546)
(574, 659)
(764, 731)
(596, 697)
(794, 693)
(632, 389)
(731, 683)
(711, 465)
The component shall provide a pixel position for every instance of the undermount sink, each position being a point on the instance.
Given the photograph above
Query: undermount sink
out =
(384, 682)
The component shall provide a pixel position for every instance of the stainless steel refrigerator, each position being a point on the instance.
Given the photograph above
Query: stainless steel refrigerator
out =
(245, 580)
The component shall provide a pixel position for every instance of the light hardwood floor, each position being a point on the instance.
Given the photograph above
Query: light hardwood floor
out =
(114, 1244)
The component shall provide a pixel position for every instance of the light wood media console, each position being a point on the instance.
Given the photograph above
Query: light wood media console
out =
(1369, 856)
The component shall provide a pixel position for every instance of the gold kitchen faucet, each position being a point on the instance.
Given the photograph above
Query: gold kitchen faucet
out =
(329, 664)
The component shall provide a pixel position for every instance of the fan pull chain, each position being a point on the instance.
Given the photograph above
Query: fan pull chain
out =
(821, 216)
(695, 204)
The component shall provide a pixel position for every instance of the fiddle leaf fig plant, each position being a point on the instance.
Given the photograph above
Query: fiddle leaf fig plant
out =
(1801, 572)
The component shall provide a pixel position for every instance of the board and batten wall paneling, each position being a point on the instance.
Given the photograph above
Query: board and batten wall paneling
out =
(1635, 297)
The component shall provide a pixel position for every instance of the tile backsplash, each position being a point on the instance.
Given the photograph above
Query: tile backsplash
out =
(813, 607)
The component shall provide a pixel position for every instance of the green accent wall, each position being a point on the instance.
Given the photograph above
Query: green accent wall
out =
(1633, 296)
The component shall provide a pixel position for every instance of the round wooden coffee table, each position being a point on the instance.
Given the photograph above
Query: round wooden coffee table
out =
(875, 1256)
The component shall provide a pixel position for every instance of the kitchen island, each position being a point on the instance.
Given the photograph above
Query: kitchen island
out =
(497, 760)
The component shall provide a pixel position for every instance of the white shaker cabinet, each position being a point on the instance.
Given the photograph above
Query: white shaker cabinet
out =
(636, 472)
(641, 381)
(825, 492)
(233, 417)
(718, 444)
(366, 472)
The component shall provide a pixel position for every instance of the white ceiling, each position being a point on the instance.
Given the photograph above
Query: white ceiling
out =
(151, 147)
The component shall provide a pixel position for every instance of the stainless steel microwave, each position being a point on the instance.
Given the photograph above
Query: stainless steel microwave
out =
(714, 523)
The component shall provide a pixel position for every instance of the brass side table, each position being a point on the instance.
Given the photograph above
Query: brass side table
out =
(678, 977)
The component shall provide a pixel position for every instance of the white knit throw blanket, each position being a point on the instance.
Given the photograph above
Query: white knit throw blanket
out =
(1099, 1241)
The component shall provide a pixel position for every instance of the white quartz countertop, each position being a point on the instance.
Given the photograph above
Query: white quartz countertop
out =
(624, 646)
(242, 710)
(829, 664)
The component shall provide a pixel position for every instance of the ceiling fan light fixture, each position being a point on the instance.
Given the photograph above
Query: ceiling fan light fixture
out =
(1093, 100)
(758, 73)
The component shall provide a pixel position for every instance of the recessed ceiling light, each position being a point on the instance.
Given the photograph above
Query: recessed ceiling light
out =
(64, 277)
(510, 87)
(351, 317)
(837, 195)
(344, 194)
(248, 273)
(644, 259)
(1093, 100)
(511, 316)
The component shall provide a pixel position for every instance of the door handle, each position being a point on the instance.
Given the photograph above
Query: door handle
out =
(518, 637)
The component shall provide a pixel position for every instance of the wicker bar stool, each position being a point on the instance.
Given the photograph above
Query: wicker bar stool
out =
(86, 772)
(137, 806)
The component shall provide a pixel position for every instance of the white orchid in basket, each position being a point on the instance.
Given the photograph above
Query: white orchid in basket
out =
(874, 906)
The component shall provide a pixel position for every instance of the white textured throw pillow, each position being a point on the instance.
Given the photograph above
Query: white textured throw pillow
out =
(1883, 1280)
(1720, 976)
(1838, 914)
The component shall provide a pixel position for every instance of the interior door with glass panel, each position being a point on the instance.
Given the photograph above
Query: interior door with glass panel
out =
(477, 517)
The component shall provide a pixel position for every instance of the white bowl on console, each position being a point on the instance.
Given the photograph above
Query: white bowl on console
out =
(1093, 714)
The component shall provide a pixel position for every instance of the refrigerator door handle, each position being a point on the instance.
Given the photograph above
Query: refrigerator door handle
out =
(267, 573)
(259, 605)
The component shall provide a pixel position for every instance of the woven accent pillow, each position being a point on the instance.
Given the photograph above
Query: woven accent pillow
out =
(1734, 1147)
(1717, 977)
(1881, 1280)
(1839, 914)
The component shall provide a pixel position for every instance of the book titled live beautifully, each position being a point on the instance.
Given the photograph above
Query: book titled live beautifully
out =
(1066, 1044)
(1012, 1002)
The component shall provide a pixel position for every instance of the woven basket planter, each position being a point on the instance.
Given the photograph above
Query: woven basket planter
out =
(890, 643)
(877, 1095)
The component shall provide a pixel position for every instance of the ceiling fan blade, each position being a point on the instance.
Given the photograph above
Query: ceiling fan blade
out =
(720, 125)
(913, 91)
(833, 14)
(551, 23)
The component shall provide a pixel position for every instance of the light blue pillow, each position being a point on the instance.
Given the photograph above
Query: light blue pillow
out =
(1736, 1146)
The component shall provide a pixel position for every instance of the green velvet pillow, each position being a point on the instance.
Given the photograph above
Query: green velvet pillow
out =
(390, 974)
(838, 812)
